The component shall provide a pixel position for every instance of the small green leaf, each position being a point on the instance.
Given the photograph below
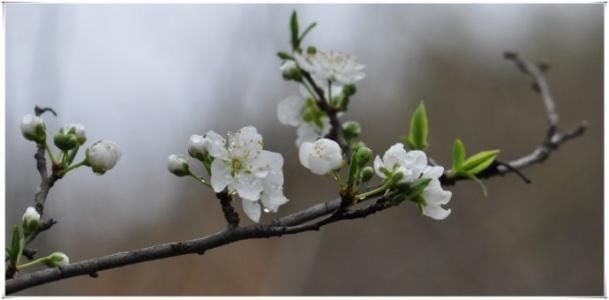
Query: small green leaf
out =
(482, 186)
(304, 33)
(294, 30)
(458, 154)
(15, 244)
(417, 138)
(285, 56)
(479, 162)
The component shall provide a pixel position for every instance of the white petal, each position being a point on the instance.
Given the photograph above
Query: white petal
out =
(395, 155)
(319, 166)
(220, 174)
(434, 194)
(265, 163)
(378, 164)
(331, 152)
(433, 172)
(416, 160)
(436, 212)
(289, 111)
(252, 210)
(304, 152)
(248, 186)
(246, 143)
(216, 144)
(306, 133)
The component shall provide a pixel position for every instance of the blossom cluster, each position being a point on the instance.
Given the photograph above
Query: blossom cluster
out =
(242, 167)
(101, 156)
(331, 73)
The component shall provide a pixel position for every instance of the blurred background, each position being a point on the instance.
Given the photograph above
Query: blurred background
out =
(149, 76)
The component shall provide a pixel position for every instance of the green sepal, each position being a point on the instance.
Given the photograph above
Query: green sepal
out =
(410, 191)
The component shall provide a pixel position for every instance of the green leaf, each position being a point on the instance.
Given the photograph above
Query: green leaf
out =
(15, 244)
(285, 56)
(304, 34)
(294, 30)
(482, 186)
(417, 138)
(479, 162)
(458, 154)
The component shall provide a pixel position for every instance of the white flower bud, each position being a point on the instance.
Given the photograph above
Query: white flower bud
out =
(33, 128)
(77, 130)
(178, 165)
(30, 221)
(321, 157)
(57, 259)
(212, 143)
(103, 156)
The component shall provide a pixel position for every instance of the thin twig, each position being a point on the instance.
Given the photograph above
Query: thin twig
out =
(231, 216)
(553, 138)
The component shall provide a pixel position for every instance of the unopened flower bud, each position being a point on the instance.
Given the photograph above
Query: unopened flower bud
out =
(352, 129)
(102, 156)
(311, 50)
(363, 155)
(290, 71)
(33, 128)
(178, 165)
(366, 174)
(349, 90)
(30, 221)
(77, 130)
(65, 141)
(57, 259)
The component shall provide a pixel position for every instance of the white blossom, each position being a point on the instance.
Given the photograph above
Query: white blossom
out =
(321, 157)
(33, 127)
(178, 165)
(31, 219)
(413, 165)
(290, 112)
(212, 144)
(331, 66)
(57, 259)
(396, 159)
(255, 174)
(103, 156)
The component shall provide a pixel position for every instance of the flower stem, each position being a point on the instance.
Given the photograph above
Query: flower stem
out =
(31, 263)
(200, 179)
(46, 146)
(375, 192)
(72, 167)
(338, 179)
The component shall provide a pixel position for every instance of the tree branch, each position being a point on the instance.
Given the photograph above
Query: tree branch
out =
(553, 138)
(302, 221)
